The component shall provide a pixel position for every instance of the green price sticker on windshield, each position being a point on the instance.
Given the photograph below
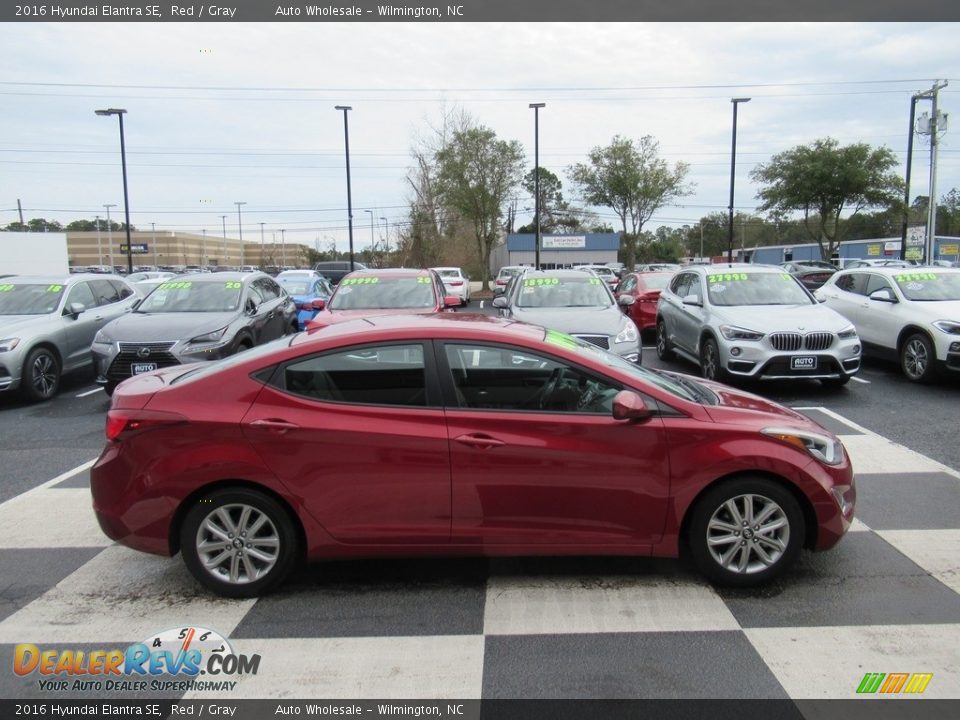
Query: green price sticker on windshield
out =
(594, 281)
(540, 282)
(233, 285)
(561, 339)
(181, 285)
(54, 288)
(360, 281)
(7, 288)
(913, 277)
(728, 277)
(423, 280)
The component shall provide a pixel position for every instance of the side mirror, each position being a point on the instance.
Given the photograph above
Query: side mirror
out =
(318, 304)
(74, 309)
(500, 301)
(692, 300)
(820, 298)
(883, 295)
(451, 301)
(628, 405)
(626, 300)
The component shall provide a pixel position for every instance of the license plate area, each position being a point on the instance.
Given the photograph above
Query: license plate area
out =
(803, 362)
(137, 368)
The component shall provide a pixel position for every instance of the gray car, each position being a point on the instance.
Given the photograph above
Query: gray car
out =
(576, 302)
(191, 318)
(47, 324)
(753, 321)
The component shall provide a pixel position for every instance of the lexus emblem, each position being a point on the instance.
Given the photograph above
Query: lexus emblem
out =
(143, 352)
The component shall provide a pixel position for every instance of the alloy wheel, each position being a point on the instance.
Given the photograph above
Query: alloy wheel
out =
(748, 534)
(237, 544)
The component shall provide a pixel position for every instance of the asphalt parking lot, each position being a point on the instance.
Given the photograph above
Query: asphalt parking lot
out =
(886, 599)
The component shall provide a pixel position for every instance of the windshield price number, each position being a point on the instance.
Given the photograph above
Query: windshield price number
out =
(803, 362)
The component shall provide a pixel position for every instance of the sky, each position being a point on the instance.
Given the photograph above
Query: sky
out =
(222, 113)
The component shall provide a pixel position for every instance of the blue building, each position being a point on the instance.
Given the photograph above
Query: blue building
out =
(945, 248)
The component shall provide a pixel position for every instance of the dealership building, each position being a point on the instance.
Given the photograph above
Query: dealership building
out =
(556, 250)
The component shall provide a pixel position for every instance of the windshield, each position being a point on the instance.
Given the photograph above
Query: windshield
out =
(449, 273)
(556, 292)
(688, 391)
(377, 293)
(929, 286)
(193, 296)
(742, 288)
(297, 287)
(29, 299)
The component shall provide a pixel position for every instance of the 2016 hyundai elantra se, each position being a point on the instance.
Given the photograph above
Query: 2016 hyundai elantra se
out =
(458, 435)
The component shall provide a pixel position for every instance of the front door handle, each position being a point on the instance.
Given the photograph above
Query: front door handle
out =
(274, 425)
(479, 441)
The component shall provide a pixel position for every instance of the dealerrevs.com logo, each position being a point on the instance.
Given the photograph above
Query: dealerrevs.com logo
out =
(176, 660)
(894, 683)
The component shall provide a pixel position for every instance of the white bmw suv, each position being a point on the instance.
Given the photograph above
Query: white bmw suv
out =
(753, 322)
(908, 314)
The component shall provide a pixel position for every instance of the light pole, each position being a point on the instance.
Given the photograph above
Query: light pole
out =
(109, 238)
(262, 263)
(387, 241)
(240, 230)
(224, 219)
(733, 166)
(536, 176)
(346, 145)
(99, 246)
(283, 249)
(119, 112)
(203, 248)
(153, 241)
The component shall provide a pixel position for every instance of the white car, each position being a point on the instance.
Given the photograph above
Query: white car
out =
(907, 314)
(456, 282)
(604, 273)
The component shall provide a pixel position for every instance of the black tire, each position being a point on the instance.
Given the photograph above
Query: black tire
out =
(244, 344)
(109, 387)
(41, 375)
(918, 358)
(664, 351)
(712, 510)
(254, 576)
(710, 366)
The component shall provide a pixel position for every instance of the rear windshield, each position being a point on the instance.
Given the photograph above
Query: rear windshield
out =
(29, 299)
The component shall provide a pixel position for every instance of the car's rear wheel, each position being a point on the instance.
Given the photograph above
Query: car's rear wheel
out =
(710, 365)
(41, 375)
(917, 358)
(745, 532)
(664, 351)
(238, 542)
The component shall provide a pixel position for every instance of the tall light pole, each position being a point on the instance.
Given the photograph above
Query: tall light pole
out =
(119, 112)
(387, 241)
(224, 219)
(536, 176)
(203, 248)
(262, 263)
(153, 241)
(99, 245)
(373, 243)
(240, 230)
(283, 248)
(733, 167)
(109, 238)
(346, 145)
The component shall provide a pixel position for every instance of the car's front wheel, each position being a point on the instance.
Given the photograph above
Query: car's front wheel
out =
(41, 375)
(917, 358)
(238, 542)
(664, 351)
(710, 365)
(745, 532)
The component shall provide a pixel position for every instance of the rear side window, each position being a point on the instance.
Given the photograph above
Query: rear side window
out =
(381, 375)
(854, 283)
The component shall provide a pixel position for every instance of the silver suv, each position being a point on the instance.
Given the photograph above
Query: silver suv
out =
(753, 321)
(47, 324)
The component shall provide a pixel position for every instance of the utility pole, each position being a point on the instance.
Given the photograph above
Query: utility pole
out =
(109, 237)
(99, 246)
(224, 219)
(932, 123)
(20, 210)
(153, 241)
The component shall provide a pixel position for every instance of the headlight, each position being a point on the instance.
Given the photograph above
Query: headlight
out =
(948, 326)
(848, 332)
(8, 344)
(101, 339)
(628, 334)
(826, 449)
(732, 332)
(209, 337)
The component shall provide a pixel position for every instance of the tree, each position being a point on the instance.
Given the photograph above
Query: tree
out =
(630, 179)
(824, 180)
(476, 176)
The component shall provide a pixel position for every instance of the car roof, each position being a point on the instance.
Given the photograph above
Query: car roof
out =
(62, 279)
(724, 267)
(391, 272)
(897, 270)
(447, 267)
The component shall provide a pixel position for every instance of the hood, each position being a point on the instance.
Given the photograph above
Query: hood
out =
(782, 318)
(328, 317)
(733, 403)
(936, 310)
(161, 327)
(12, 324)
(575, 321)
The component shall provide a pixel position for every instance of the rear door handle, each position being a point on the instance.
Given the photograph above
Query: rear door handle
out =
(274, 425)
(479, 441)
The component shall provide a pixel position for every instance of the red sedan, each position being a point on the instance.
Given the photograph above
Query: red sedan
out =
(645, 289)
(394, 291)
(458, 435)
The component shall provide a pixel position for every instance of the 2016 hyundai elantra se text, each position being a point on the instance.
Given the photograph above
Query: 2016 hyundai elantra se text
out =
(458, 435)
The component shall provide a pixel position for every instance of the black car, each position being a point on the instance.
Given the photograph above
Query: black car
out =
(811, 273)
(190, 318)
(335, 270)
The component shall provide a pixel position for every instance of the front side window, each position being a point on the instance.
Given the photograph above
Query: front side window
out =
(380, 375)
(681, 284)
(81, 293)
(501, 378)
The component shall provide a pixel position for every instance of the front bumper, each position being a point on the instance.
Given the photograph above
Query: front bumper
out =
(118, 361)
(757, 360)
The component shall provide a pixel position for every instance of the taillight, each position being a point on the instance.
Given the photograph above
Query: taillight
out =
(124, 422)
(455, 283)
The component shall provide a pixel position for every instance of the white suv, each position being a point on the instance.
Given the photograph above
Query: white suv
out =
(907, 314)
(753, 321)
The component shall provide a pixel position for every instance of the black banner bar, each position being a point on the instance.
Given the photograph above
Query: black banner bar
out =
(531, 11)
